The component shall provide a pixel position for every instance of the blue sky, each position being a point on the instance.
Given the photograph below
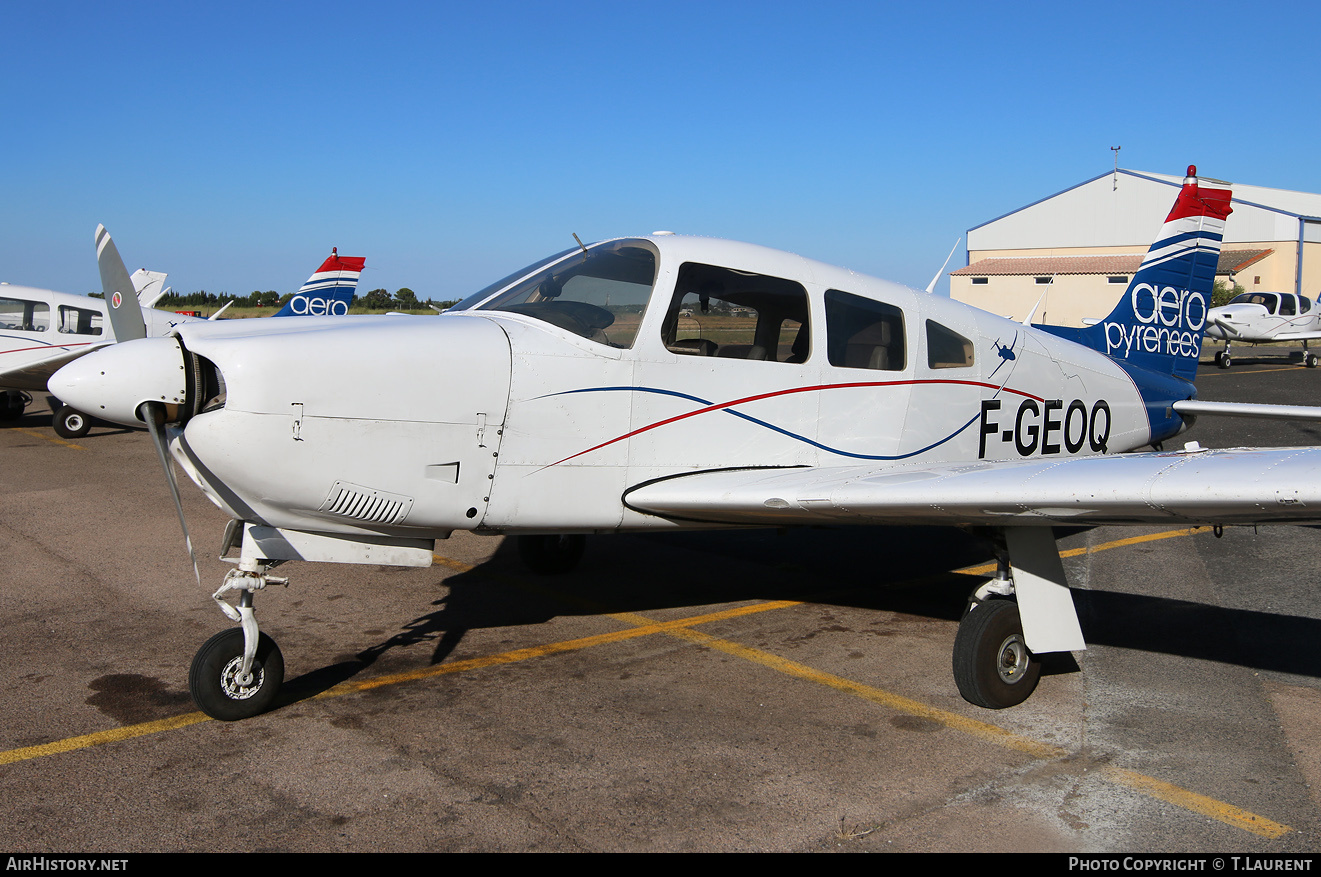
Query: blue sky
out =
(233, 144)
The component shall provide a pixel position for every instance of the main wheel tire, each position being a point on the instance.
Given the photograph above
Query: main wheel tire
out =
(1224, 361)
(1310, 360)
(551, 555)
(213, 682)
(992, 665)
(11, 406)
(70, 423)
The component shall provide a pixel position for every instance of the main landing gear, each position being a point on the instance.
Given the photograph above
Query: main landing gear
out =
(993, 665)
(1224, 360)
(12, 403)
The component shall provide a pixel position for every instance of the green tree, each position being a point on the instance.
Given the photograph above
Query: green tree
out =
(407, 299)
(378, 300)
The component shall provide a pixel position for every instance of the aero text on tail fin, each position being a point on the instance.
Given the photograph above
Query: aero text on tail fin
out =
(329, 291)
(1158, 323)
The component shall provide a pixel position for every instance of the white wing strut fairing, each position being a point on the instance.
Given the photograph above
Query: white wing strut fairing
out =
(666, 382)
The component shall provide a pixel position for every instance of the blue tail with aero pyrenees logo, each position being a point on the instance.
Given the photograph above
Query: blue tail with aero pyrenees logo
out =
(329, 291)
(1155, 331)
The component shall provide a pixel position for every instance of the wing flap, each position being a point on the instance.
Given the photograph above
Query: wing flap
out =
(1236, 486)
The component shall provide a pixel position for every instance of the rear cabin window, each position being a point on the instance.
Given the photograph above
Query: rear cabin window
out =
(864, 333)
(79, 321)
(736, 315)
(947, 348)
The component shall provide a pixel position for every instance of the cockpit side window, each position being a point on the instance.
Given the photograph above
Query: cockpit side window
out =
(23, 315)
(600, 294)
(1268, 300)
(947, 348)
(1287, 305)
(737, 315)
(864, 333)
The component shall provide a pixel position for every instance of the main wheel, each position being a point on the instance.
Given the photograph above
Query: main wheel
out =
(992, 665)
(1309, 360)
(71, 423)
(551, 555)
(213, 679)
(12, 405)
(1223, 360)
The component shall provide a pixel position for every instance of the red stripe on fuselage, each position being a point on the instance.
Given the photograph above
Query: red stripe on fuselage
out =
(722, 405)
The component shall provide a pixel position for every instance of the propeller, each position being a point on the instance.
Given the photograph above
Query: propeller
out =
(154, 415)
(128, 325)
(125, 318)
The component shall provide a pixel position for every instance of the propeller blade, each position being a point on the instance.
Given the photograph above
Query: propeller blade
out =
(120, 295)
(154, 417)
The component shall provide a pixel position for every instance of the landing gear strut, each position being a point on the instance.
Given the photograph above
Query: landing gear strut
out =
(238, 672)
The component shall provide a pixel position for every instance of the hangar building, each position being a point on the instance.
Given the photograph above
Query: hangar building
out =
(1079, 248)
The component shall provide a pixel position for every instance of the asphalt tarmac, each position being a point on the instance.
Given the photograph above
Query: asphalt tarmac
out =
(749, 691)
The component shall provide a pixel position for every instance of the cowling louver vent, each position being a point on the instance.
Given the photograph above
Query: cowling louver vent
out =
(365, 504)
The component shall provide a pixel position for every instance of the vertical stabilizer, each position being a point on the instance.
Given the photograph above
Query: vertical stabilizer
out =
(1158, 324)
(329, 291)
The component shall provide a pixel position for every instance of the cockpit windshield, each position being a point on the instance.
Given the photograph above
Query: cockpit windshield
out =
(1268, 300)
(600, 294)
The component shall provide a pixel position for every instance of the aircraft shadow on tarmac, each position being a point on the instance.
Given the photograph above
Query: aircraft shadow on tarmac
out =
(905, 570)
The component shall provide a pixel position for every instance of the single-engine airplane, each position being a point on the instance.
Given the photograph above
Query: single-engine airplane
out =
(1259, 317)
(42, 330)
(666, 382)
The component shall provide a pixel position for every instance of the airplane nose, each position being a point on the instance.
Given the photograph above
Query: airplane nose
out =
(113, 382)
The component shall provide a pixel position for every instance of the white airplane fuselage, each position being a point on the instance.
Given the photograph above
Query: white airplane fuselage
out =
(1256, 317)
(499, 421)
(41, 330)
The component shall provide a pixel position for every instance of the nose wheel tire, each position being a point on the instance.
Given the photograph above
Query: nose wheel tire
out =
(215, 678)
(992, 664)
(69, 423)
(551, 555)
(1223, 360)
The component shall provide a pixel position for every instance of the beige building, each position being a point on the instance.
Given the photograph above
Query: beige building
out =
(1071, 255)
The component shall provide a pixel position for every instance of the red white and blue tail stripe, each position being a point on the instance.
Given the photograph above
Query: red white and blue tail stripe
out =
(329, 291)
(1158, 324)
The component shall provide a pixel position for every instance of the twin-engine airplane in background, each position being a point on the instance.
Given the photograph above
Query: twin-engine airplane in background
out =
(669, 382)
(1260, 317)
(41, 330)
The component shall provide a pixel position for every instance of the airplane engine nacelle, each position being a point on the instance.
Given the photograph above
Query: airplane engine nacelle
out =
(114, 383)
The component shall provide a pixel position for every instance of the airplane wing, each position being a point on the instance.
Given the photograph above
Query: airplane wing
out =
(1196, 486)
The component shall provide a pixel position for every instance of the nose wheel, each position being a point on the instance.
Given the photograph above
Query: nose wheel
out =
(222, 689)
(70, 423)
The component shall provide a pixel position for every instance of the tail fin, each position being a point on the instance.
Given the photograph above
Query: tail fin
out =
(329, 291)
(1158, 324)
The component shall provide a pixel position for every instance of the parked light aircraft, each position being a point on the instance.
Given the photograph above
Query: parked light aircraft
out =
(668, 382)
(1257, 317)
(41, 330)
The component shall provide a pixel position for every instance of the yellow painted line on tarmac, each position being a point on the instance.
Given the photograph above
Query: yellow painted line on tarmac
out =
(48, 438)
(682, 628)
(985, 568)
(114, 735)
